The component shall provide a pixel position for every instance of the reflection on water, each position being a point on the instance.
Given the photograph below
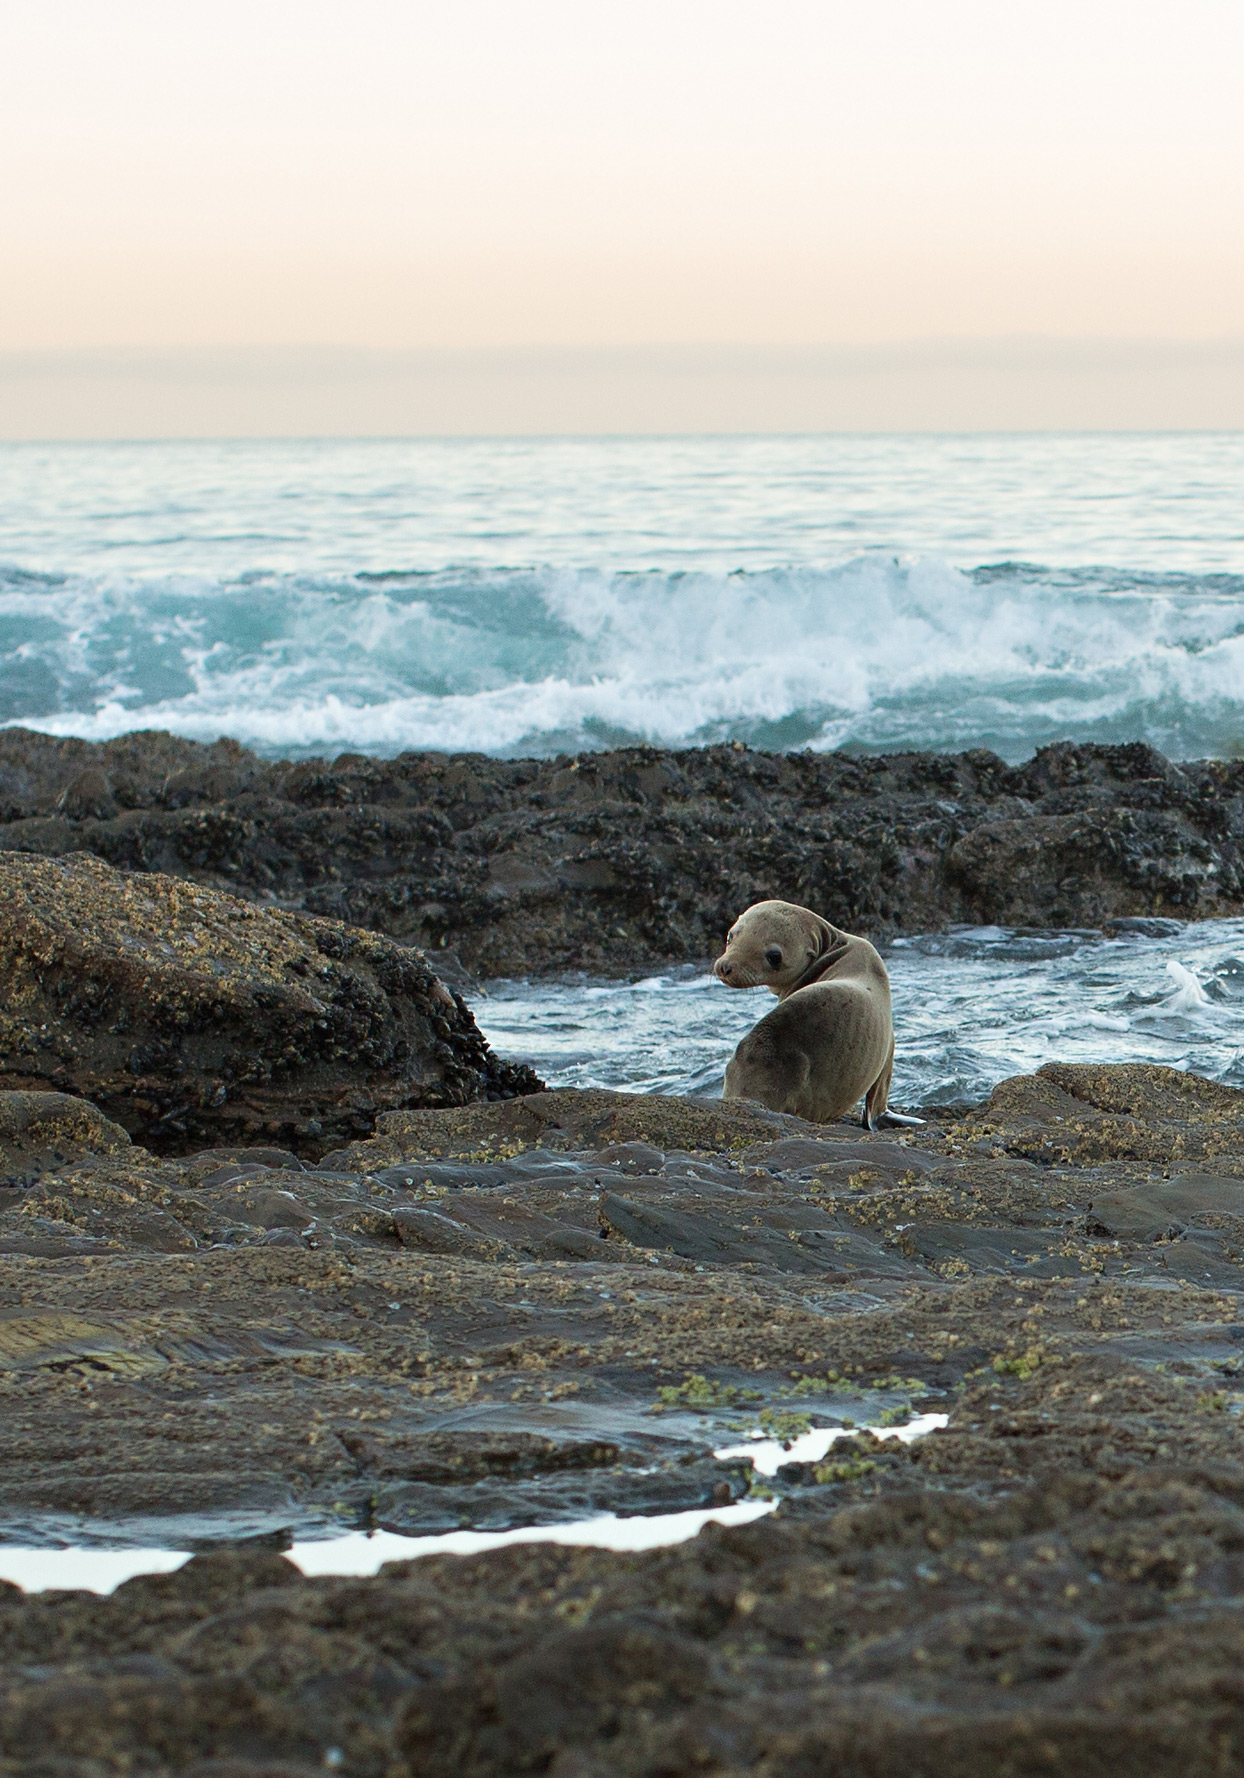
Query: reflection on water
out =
(769, 1454)
(971, 1007)
(99, 1570)
(365, 1552)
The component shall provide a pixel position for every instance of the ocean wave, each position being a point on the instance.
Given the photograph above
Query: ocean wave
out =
(871, 653)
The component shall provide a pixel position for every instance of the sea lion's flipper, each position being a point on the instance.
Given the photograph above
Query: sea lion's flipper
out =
(892, 1119)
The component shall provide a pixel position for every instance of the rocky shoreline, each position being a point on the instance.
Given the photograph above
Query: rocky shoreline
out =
(559, 1304)
(613, 862)
(286, 1251)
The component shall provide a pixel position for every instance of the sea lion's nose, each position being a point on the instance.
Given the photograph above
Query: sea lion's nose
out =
(724, 969)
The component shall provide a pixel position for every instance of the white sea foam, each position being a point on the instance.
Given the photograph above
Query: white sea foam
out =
(872, 652)
(1189, 995)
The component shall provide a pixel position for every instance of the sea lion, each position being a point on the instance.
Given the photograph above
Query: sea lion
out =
(830, 1039)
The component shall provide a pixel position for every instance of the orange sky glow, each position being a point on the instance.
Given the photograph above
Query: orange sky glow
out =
(504, 175)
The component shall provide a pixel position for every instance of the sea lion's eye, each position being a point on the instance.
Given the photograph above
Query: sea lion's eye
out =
(773, 957)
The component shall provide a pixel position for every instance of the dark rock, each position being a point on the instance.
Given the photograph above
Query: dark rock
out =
(43, 1132)
(478, 1224)
(457, 1456)
(209, 1581)
(1138, 927)
(606, 1682)
(89, 794)
(1052, 1582)
(559, 1497)
(247, 1157)
(781, 1238)
(193, 1019)
(615, 861)
(1165, 1209)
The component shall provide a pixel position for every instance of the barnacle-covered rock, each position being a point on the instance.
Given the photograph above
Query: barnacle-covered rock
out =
(192, 1018)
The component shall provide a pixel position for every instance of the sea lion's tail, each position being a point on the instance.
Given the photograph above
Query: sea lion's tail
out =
(877, 1113)
(878, 1095)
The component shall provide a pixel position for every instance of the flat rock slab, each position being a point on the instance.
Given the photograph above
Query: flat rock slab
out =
(1080, 1114)
(573, 1117)
(191, 1018)
(525, 1312)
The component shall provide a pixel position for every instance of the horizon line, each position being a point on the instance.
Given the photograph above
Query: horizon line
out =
(766, 354)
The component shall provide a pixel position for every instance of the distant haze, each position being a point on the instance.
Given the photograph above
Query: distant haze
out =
(287, 216)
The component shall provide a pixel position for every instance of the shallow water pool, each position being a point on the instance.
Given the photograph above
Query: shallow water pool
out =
(365, 1552)
(101, 1569)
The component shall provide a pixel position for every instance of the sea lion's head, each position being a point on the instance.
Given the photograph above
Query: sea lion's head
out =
(773, 945)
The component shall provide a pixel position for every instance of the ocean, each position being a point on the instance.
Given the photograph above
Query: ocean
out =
(531, 597)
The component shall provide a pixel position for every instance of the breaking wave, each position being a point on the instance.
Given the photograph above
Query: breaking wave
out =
(873, 653)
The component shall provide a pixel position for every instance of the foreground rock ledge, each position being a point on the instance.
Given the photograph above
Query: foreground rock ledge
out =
(615, 861)
(193, 1019)
(540, 1309)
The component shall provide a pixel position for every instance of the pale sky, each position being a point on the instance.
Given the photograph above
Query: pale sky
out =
(489, 174)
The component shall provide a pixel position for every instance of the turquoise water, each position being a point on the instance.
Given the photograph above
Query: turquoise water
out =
(530, 597)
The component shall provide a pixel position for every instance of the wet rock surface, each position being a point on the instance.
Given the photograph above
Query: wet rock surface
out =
(189, 1017)
(540, 1309)
(612, 861)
